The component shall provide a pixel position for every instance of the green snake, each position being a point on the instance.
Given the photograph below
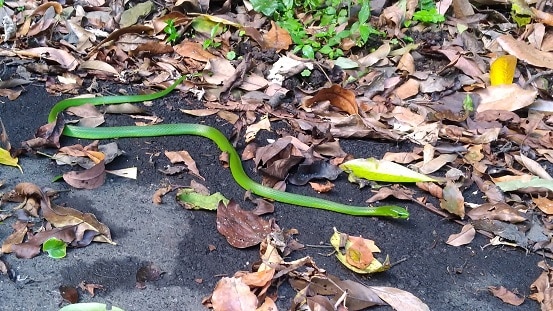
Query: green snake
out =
(218, 138)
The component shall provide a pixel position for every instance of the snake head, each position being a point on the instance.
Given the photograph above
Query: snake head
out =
(395, 211)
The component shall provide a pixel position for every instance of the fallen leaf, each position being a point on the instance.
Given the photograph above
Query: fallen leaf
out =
(241, 228)
(544, 204)
(464, 237)
(508, 97)
(525, 52)
(502, 70)
(506, 295)
(277, 38)
(184, 157)
(90, 287)
(191, 199)
(496, 211)
(453, 200)
(381, 170)
(356, 253)
(322, 188)
(399, 299)
(91, 178)
(338, 97)
(232, 294)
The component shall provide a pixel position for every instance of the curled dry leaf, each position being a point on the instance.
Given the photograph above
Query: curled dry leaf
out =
(464, 237)
(241, 228)
(338, 97)
(526, 52)
(356, 253)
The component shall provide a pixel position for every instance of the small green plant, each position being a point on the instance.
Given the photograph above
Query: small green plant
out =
(428, 13)
(321, 26)
(231, 55)
(171, 31)
(211, 42)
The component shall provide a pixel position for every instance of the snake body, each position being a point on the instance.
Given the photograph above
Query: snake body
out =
(218, 138)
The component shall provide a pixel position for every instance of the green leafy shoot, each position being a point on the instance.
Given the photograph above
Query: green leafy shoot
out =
(55, 247)
(171, 31)
(468, 105)
(428, 13)
(211, 42)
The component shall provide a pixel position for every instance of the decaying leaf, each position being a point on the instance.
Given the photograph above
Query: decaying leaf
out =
(400, 299)
(508, 97)
(356, 253)
(241, 228)
(464, 237)
(506, 295)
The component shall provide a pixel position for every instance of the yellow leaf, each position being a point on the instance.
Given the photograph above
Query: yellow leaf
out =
(6, 159)
(502, 70)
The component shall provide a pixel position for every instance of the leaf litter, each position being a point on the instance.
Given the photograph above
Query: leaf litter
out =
(478, 114)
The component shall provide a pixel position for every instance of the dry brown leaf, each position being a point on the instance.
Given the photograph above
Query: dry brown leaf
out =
(544, 204)
(453, 200)
(338, 97)
(508, 97)
(533, 166)
(184, 157)
(277, 38)
(241, 228)
(91, 178)
(193, 50)
(90, 287)
(31, 247)
(19, 232)
(437, 163)
(94, 64)
(231, 294)
(10, 94)
(496, 211)
(464, 237)
(408, 89)
(358, 254)
(157, 198)
(432, 188)
(322, 188)
(149, 272)
(401, 157)
(526, 52)
(506, 295)
(399, 299)
(62, 57)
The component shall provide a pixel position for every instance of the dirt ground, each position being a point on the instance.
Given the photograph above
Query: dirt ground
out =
(176, 240)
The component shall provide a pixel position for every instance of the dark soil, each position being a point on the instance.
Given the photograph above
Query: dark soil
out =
(177, 240)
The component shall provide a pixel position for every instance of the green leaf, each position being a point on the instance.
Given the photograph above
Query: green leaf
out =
(381, 170)
(89, 306)
(267, 7)
(308, 52)
(364, 13)
(193, 200)
(55, 247)
(429, 16)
